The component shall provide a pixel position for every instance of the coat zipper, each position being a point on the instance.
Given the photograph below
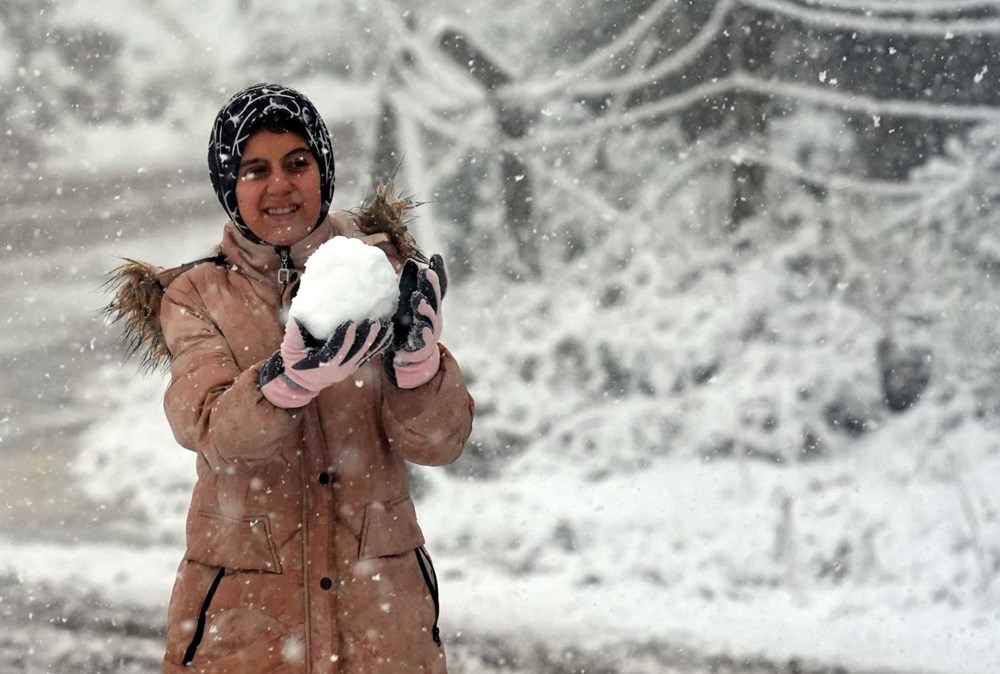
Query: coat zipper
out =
(285, 271)
(430, 578)
(199, 631)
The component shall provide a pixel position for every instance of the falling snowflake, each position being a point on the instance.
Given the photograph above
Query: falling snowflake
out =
(293, 649)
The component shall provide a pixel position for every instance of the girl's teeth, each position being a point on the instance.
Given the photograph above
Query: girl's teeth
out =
(281, 211)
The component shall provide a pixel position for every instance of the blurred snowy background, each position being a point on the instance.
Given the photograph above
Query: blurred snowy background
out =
(725, 289)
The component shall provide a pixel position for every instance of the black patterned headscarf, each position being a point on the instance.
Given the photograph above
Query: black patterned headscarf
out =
(244, 114)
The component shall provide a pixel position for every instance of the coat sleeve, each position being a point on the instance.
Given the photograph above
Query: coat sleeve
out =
(212, 406)
(430, 424)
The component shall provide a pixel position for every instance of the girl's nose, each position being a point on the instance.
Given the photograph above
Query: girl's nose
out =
(279, 183)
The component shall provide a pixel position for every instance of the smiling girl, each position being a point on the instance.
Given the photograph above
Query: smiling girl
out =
(303, 549)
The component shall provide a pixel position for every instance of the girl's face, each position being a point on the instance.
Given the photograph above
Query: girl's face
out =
(278, 187)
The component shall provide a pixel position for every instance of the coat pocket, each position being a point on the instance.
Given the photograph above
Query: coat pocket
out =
(237, 543)
(390, 528)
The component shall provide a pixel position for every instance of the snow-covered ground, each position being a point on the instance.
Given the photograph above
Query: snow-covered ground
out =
(712, 556)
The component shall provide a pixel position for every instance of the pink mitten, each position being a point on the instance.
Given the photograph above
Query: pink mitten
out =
(416, 356)
(304, 365)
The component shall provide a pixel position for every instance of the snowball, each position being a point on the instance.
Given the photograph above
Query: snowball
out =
(344, 280)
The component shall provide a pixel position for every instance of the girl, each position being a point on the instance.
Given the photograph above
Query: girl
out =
(303, 549)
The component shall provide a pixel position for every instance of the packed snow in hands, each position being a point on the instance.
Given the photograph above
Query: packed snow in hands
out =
(344, 280)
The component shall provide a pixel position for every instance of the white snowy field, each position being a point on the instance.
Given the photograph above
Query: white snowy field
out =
(711, 557)
(878, 559)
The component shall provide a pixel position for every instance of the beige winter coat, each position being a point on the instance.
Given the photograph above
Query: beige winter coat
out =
(303, 548)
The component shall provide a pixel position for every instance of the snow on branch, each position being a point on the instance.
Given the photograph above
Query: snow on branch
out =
(876, 25)
(843, 100)
(468, 133)
(912, 7)
(832, 182)
(576, 76)
(571, 84)
(571, 186)
(409, 46)
(871, 105)
(437, 95)
(581, 87)
(742, 82)
(625, 41)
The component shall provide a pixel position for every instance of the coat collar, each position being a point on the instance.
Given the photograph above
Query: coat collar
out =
(262, 262)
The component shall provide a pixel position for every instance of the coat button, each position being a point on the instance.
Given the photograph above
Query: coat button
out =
(324, 478)
(326, 583)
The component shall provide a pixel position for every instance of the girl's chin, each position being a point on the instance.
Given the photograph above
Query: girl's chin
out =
(282, 233)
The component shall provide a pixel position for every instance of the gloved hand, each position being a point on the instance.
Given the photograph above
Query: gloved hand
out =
(305, 365)
(414, 357)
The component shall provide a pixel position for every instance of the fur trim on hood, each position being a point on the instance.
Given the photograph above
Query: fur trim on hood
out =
(137, 289)
(390, 214)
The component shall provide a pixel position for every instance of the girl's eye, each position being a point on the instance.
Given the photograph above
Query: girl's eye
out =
(253, 173)
(299, 163)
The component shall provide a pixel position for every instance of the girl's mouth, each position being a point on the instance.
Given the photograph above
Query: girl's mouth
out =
(278, 212)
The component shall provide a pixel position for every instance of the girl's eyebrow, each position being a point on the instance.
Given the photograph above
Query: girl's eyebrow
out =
(251, 161)
(299, 150)
(262, 160)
